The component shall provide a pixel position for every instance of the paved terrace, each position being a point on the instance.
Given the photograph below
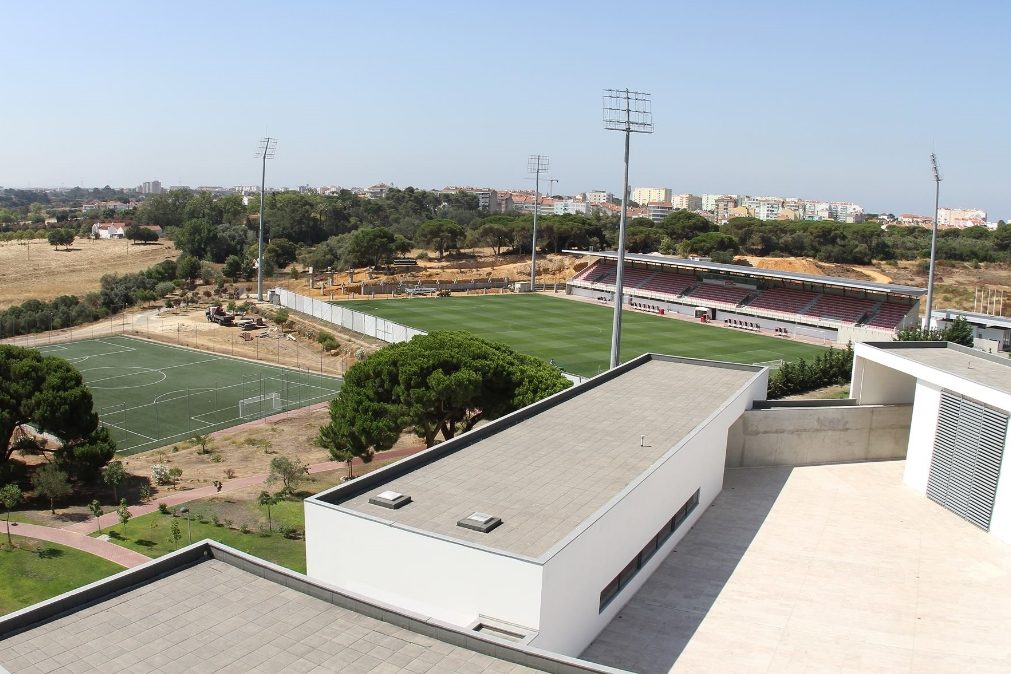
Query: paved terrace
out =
(549, 473)
(239, 614)
(837, 568)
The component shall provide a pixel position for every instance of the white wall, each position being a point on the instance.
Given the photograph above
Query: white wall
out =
(1000, 520)
(366, 324)
(585, 563)
(922, 430)
(419, 572)
(877, 384)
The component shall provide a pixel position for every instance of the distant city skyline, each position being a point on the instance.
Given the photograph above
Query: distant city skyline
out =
(838, 103)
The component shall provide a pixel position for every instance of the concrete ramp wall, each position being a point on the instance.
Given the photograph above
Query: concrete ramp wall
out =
(804, 436)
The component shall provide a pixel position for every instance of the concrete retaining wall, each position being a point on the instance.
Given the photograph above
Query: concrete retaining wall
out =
(804, 436)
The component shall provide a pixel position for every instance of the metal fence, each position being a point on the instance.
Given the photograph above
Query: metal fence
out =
(349, 319)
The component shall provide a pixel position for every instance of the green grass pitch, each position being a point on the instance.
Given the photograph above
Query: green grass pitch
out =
(577, 335)
(149, 394)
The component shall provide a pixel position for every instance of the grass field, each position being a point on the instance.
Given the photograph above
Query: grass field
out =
(30, 577)
(577, 335)
(149, 395)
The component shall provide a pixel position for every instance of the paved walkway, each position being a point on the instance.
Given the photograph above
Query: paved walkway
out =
(104, 549)
(177, 498)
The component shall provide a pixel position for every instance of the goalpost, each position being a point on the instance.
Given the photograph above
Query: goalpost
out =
(259, 405)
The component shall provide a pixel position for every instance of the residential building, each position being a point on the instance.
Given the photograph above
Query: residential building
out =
(687, 202)
(722, 206)
(657, 211)
(150, 187)
(599, 197)
(487, 198)
(764, 208)
(960, 218)
(377, 191)
(108, 230)
(563, 206)
(645, 195)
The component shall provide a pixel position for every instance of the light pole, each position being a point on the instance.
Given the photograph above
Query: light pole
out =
(268, 146)
(630, 112)
(536, 164)
(189, 526)
(933, 242)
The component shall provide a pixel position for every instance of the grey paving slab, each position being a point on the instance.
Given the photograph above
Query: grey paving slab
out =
(267, 632)
(546, 475)
(820, 569)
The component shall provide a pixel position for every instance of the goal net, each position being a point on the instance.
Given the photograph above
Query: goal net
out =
(259, 405)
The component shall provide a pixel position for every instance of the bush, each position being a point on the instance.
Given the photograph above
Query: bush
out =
(160, 474)
(163, 509)
(327, 341)
(828, 369)
(289, 531)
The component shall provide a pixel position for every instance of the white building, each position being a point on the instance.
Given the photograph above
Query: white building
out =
(599, 197)
(961, 217)
(645, 195)
(959, 430)
(563, 206)
(687, 202)
(657, 211)
(108, 230)
(548, 519)
(991, 333)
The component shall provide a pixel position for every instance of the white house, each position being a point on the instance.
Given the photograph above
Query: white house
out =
(108, 230)
(542, 524)
(958, 436)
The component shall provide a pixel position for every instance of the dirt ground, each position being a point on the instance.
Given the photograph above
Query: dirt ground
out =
(36, 270)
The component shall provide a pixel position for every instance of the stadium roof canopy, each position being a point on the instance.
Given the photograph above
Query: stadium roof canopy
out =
(756, 272)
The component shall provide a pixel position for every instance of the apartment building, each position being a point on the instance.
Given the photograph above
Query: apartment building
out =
(687, 202)
(658, 210)
(599, 197)
(960, 218)
(645, 195)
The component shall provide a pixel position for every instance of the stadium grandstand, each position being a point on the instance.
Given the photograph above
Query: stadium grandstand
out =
(780, 302)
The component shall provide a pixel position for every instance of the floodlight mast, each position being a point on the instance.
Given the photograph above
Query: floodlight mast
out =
(933, 242)
(536, 164)
(266, 150)
(630, 112)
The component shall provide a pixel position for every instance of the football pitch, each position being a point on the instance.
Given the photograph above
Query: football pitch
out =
(577, 335)
(149, 394)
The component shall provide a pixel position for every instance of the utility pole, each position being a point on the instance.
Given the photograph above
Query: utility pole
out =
(933, 242)
(536, 164)
(630, 112)
(266, 150)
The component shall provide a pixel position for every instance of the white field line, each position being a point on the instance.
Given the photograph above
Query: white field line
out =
(148, 369)
(127, 430)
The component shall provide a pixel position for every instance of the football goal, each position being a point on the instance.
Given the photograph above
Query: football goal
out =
(260, 405)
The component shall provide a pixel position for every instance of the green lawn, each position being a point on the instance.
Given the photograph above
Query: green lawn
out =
(151, 534)
(30, 577)
(577, 335)
(150, 395)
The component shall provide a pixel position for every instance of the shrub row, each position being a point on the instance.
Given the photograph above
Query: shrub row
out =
(828, 369)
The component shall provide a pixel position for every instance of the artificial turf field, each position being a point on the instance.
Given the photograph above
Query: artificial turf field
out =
(149, 394)
(577, 335)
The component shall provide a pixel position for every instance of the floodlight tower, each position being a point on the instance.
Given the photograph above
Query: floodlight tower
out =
(933, 241)
(630, 112)
(551, 186)
(265, 151)
(536, 164)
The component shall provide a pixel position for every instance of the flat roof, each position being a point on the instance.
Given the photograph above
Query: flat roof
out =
(209, 608)
(547, 472)
(986, 320)
(758, 272)
(969, 364)
(820, 569)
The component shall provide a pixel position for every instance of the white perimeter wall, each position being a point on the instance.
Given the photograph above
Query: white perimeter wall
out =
(418, 572)
(585, 564)
(380, 328)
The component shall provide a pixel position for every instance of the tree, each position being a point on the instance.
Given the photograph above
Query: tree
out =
(370, 246)
(48, 395)
(443, 382)
(267, 499)
(97, 511)
(50, 482)
(175, 532)
(188, 267)
(123, 512)
(960, 332)
(113, 475)
(202, 441)
(281, 252)
(289, 472)
(140, 234)
(233, 268)
(61, 237)
(495, 235)
(440, 234)
(10, 496)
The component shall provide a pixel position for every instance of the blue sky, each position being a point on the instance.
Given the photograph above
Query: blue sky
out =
(835, 101)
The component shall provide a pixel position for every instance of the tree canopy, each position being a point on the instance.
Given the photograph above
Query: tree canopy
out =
(440, 383)
(46, 395)
(958, 332)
